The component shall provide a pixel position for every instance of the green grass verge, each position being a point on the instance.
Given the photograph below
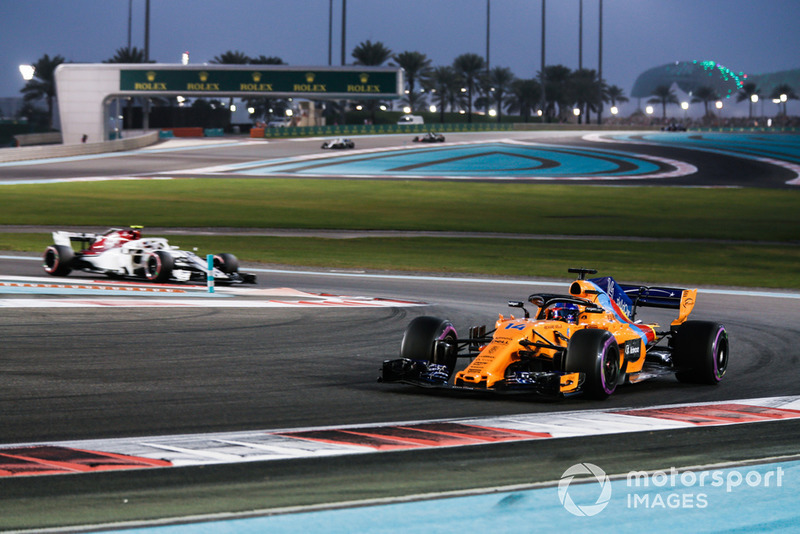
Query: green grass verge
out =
(682, 263)
(721, 221)
(734, 214)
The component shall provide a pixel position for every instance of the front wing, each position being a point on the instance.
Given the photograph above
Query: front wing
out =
(427, 374)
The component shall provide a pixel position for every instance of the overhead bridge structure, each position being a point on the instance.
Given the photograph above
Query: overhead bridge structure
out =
(86, 91)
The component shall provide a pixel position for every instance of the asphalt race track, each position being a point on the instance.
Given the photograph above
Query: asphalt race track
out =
(626, 159)
(117, 372)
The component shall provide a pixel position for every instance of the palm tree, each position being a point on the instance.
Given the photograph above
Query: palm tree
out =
(746, 93)
(483, 90)
(266, 60)
(128, 54)
(371, 54)
(231, 57)
(525, 96)
(663, 94)
(442, 83)
(500, 79)
(469, 66)
(43, 84)
(784, 93)
(416, 66)
(705, 94)
(587, 92)
(557, 91)
(616, 94)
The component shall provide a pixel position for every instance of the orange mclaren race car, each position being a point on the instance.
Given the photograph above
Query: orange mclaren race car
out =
(587, 342)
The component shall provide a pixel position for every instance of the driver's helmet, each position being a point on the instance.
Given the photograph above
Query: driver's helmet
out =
(564, 311)
(134, 233)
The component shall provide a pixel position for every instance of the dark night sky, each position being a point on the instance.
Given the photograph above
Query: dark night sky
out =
(743, 35)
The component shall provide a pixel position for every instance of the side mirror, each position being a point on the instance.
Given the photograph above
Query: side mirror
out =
(520, 305)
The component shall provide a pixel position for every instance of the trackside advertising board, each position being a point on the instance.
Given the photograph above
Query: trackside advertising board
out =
(338, 83)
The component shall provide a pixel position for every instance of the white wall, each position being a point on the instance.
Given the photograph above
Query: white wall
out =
(82, 90)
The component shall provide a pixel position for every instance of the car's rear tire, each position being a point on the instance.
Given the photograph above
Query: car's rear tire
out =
(421, 342)
(227, 263)
(158, 267)
(594, 353)
(700, 351)
(58, 259)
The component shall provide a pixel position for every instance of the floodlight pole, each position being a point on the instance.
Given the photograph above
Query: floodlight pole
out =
(146, 106)
(488, 19)
(580, 35)
(330, 30)
(344, 28)
(600, 65)
(541, 74)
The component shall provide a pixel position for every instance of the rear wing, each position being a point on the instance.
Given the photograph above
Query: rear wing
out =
(663, 297)
(66, 238)
(629, 297)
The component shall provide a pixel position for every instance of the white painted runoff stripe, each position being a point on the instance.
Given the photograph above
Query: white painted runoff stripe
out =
(265, 445)
(176, 302)
(456, 279)
(80, 179)
(82, 293)
(734, 292)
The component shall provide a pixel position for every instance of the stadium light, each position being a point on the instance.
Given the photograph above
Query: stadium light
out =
(27, 72)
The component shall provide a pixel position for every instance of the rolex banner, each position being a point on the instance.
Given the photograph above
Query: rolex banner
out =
(361, 83)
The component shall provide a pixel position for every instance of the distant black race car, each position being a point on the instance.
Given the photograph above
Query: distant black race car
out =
(429, 137)
(674, 127)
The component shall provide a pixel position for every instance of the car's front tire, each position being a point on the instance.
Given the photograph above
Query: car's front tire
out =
(158, 267)
(595, 353)
(57, 260)
(700, 351)
(421, 342)
(227, 263)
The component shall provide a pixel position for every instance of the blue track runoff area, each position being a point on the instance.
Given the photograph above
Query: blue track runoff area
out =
(479, 160)
(747, 498)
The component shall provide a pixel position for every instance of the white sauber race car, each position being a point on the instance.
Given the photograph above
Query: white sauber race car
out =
(126, 254)
(339, 142)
